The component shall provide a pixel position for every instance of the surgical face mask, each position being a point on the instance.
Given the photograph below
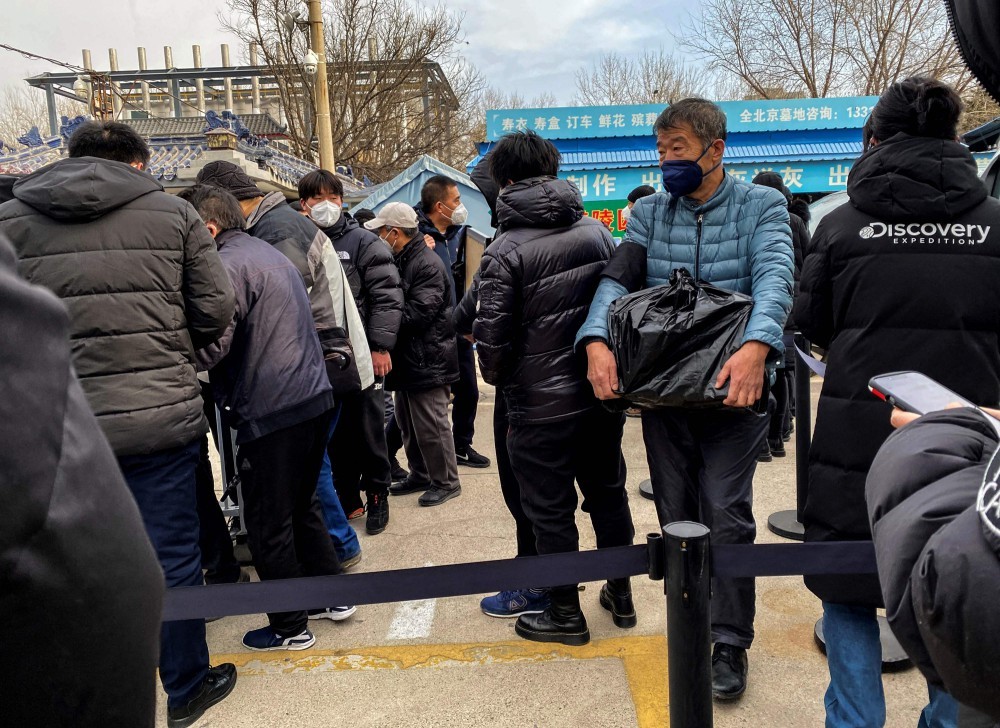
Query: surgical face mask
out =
(682, 176)
(459, 216)
(626, 214)
(325, 213)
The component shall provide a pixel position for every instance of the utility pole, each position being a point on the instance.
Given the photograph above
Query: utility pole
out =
(323, 128)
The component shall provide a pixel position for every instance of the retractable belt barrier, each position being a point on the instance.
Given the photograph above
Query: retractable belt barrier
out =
(431, 582)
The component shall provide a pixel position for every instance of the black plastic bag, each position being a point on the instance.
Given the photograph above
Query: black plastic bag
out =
(671, 341)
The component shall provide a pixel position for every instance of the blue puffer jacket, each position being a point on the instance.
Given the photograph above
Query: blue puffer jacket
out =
(739, 240)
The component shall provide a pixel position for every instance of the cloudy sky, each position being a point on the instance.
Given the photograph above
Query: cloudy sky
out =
(527, 46)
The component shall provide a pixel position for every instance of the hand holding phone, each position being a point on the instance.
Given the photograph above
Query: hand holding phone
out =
(915, 392)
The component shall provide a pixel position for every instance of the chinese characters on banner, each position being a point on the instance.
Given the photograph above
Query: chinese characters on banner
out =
(585, 122)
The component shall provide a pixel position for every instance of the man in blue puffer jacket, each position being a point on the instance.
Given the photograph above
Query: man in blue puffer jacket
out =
(736, 236)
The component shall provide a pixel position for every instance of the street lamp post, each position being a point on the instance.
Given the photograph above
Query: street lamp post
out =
(323, 128)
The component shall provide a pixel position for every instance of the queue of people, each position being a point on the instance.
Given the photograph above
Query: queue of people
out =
(303, 320)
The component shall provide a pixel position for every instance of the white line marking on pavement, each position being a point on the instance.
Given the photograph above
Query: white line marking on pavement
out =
(413, 620)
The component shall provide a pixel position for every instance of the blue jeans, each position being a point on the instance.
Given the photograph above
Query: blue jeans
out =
(345, 540)
(163, 485)
(854, 654)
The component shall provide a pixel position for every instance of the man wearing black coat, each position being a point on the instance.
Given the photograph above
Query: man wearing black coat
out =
(267, 372)
(425, 362)
(358, 451)
(145, 288)
(902, 277)
(537, 281)
(442, 217)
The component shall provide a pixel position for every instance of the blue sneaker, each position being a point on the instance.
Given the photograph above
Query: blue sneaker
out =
(266, 638)
(334, 614)
(514, 603)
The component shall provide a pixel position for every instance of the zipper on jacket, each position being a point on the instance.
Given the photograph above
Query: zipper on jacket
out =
(697, 249)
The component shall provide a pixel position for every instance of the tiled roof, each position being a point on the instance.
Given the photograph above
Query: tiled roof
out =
(742, 154)
(259, 124)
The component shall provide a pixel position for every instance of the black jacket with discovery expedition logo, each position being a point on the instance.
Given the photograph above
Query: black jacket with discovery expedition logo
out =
(906, 276)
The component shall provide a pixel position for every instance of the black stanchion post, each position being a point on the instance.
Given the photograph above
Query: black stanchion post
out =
(689, 627)
(803, 426)
(788, 524)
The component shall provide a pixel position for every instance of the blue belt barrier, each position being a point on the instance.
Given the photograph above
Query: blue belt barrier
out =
(432, 582)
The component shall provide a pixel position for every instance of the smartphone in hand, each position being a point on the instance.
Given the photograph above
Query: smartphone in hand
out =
(915, 392)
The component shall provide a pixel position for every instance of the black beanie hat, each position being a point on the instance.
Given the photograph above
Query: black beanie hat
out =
(773, 180)
(230, 178)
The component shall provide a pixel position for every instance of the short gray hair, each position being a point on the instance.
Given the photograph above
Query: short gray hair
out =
(707, 120)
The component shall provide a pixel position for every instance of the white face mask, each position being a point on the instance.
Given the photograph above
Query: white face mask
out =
(325, 213)
(459, 216)
(626, 214)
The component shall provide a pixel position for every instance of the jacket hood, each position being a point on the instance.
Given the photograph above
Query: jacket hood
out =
(539, 202)
(908, 177)
(482, 179)
(83, 188)
(271, 200)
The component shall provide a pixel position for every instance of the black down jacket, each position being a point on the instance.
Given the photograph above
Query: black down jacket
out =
(903, 277)
(374, 280)
(426, 353)
(144, 286)
(77, 572)
(537, 281)
(935, 511)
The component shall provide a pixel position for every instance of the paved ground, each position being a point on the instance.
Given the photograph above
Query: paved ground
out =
(443, 663)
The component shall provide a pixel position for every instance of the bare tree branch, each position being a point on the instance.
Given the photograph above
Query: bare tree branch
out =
(388, 101)
(650, 77)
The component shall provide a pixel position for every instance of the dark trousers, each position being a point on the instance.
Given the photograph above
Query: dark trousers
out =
(217, 556)
(508, 480)
(466, 392)
(547, 458)
(779, 418)
(285, 528)
(163, 485)
(357, 450)
(701, 464)
(423, 420)
(393, 435)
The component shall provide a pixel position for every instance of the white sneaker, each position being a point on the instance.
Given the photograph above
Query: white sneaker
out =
(334, 614)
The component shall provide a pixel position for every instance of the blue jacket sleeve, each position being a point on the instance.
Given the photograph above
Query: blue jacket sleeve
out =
(596, 325)
(625, 273)
(771, 269)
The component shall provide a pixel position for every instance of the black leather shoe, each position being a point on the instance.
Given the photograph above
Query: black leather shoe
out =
(407, 486)
(616, 597)
(777, 447)
(561, 622)
(729, 672)
(378, 512)
(764, 455)
(219, 682)
(436, 495)
(399, 473)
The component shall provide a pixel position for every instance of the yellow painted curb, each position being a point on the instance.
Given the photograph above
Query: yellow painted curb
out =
(644, 659)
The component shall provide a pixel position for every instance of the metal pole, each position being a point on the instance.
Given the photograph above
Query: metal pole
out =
(324, 130)
(145, 84)
(228, 82)
(199, 84)
(689, 624)
(803, 427)
(50, 106)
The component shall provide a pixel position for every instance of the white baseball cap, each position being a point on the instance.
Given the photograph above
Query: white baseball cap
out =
(394, 214)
